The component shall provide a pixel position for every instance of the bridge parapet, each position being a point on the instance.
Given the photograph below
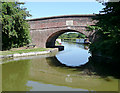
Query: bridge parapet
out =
(54, 22)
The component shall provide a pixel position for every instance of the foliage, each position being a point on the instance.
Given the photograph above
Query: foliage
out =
(72, 35)
(107, 30)
(15, 30)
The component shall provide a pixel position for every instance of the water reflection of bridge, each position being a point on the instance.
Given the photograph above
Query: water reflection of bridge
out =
(49, 70)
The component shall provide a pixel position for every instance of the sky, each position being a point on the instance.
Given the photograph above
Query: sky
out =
(47, 9)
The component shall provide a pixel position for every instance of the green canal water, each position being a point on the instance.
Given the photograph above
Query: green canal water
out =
(72, 69)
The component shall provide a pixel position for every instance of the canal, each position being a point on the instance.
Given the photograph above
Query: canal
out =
(72, 69)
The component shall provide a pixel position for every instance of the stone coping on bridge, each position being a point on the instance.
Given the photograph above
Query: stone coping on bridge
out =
(62, 16)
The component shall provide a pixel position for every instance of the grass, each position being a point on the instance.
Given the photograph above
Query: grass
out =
(22, 51)
(57, 43)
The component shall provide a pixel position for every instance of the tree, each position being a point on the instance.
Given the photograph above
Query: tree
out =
(107, 30)
(72, 35)
(15, 29)
(80, 35)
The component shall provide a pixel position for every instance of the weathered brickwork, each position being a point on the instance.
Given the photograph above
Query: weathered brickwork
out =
(44, 31)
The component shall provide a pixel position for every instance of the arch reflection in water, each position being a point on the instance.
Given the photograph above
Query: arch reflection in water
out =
(73, 54)
(43, 72)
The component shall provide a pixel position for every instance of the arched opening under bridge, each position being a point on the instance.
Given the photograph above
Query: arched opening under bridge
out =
(50, 43)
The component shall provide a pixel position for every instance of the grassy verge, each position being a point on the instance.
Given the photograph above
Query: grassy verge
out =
(57, 43)
(22, 51)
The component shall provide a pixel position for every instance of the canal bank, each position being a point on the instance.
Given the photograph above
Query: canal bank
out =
(33, 53)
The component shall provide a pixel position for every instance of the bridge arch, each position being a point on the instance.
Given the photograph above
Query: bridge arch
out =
(45, 30)
(50, 42)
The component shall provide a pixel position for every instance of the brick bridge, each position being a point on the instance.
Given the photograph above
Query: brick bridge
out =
(44, 31)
